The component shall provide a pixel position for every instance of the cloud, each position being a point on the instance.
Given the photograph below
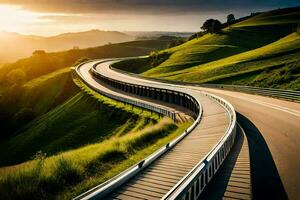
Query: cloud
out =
(57, 16)
(147, 6)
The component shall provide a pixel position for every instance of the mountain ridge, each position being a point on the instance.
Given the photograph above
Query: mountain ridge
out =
(14, 46)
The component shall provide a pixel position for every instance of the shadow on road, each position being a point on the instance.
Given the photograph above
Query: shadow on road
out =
(218, 185)
(264, 178)
(266, 182)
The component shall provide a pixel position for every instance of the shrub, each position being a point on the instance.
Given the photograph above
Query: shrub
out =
(66, 173)
(158, 58)
(39, 52)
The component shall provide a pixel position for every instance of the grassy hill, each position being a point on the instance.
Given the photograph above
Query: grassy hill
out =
(21, 103)
(44, 63)
(77, 145)
(266, 41)
(23, 84)
(14, 46)
(57, 141)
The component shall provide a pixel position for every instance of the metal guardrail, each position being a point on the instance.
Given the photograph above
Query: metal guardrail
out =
(191, 186)
(108, 186)
(171, 114)
(159, 110)
(290, 95)
(272, 92)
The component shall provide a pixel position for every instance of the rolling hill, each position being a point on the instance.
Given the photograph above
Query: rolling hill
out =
(56, 140)
(23, 93)
(267, 41)
(77, 144)
(44, 63)
(14, 46)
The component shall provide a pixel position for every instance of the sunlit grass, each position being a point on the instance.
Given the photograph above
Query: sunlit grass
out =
(264, 42)
(86, 166)
(254, 59)
(84, 141)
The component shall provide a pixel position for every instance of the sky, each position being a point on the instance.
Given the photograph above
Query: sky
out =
(50, 17)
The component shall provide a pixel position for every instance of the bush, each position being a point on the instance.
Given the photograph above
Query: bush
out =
(39, 53)
(65, 173)
(158, 58)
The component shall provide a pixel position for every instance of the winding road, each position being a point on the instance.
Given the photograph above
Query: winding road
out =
(272, 127)
(263, 162)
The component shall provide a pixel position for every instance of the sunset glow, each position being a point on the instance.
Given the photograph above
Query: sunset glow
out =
(15, 19)
(53, 17)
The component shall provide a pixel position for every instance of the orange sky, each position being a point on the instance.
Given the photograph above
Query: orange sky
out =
(17, 19)
(44, 17)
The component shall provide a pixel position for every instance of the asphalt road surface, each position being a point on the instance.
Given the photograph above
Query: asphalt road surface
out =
(272, 130)
(272, 127)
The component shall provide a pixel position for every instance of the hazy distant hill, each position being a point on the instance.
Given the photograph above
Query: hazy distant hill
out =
(155, 34)
(14, 46)
(259, 50)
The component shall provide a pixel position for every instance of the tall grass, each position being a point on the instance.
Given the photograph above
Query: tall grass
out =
(45, 177)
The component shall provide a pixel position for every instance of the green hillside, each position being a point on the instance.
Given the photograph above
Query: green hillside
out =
(32, 86)
(84, 146)
(42, 63)
(57, 141)
(21, 103)
(265, 41)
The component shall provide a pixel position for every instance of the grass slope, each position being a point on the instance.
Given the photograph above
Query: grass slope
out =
(285, 50)
(32, 86)
(266, 41)
(279, 16)
(42, 64)
(74, 140)
(76, 122)
(85, 146)
(76, 170)
(21, 103)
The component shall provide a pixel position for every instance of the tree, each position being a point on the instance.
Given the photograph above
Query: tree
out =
(230, 18)
(39, 52)
(212, 26)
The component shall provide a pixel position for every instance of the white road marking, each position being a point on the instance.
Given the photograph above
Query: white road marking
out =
(270, 105)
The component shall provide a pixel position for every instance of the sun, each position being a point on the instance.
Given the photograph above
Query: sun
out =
(15, 19)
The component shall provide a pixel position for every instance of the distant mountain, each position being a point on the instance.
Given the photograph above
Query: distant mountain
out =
(14, 46)
(155, 34)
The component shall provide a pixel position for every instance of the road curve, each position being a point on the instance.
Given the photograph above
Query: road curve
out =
(272, 127)
(203, 149)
